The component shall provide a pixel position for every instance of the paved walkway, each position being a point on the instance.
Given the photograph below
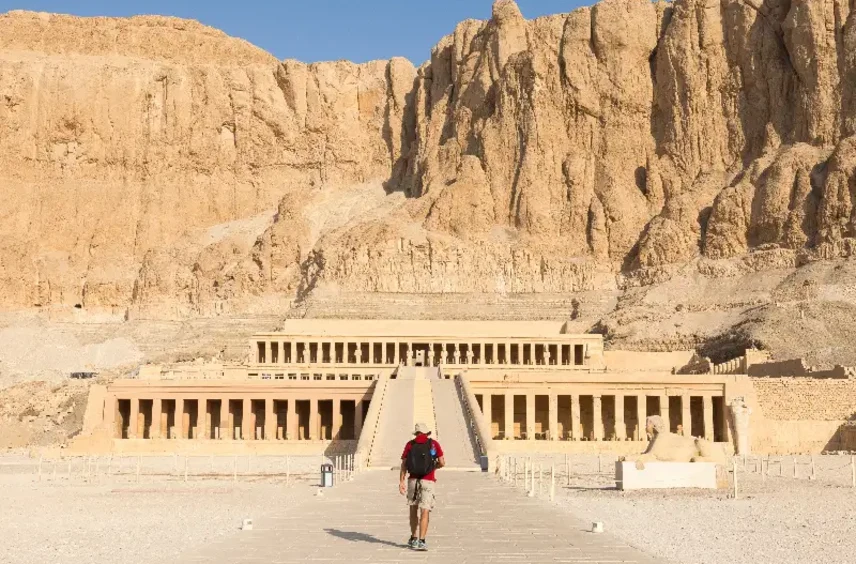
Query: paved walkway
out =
(477, 520)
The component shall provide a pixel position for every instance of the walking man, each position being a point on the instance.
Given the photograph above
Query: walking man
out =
(421, 458)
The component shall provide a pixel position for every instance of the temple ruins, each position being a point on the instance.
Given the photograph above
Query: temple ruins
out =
(521, 385)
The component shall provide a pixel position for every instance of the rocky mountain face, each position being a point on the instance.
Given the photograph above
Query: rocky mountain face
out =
(124, 141)
(153, 166)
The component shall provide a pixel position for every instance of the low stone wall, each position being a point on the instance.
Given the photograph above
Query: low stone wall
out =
(781, 368)
(569, 447)
(215, 448)
(795, 437)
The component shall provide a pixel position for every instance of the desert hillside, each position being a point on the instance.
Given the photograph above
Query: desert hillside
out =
(674, 175)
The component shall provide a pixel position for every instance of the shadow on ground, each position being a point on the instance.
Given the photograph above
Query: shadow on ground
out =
(361, 537)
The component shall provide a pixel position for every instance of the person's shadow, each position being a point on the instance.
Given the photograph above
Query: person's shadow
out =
(361, 537)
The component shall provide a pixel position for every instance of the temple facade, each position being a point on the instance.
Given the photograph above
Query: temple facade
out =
(315, 380)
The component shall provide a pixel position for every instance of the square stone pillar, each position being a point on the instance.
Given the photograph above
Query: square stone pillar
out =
(226, 429)
(576, 423)
(530, 416)
(203, 421)
(620, 425)
(180, 419)
(664, 411)
(111, 411)
(313, 420)
(336, 431)
(641, 416)
(158, 423)
(708, 418)
(686, 415)
(487, 412)
(134, 419)
(292, 352)
(358, 419)
(291, 431)
(532, 360)
(509, 416)
(597, 411)
(554, 417)
(248, 421)
(270, 419)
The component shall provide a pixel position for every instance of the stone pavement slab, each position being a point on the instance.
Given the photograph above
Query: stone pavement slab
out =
(477, 519)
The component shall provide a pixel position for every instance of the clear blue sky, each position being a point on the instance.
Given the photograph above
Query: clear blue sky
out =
(314, 30)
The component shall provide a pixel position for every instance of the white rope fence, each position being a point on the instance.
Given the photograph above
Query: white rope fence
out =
(539, 479)
(797, 467)
(529, 475)
(139, 469)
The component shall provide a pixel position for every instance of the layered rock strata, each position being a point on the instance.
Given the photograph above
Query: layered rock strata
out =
(156, 166)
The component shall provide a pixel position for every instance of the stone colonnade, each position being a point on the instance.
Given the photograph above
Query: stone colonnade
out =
(238, 417)
(426, 352)
(529, 415)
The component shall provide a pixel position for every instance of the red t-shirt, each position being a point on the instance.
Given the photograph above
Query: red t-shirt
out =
(421, 439)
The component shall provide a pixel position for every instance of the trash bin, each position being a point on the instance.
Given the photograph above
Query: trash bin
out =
(326, 475)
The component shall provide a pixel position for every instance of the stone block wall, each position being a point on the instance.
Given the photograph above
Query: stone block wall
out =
(806, 399)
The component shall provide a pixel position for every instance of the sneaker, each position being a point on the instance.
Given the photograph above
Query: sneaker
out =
(421, 545)
(413, 542)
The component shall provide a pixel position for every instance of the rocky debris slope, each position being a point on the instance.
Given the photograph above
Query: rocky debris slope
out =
(39, 413)
(692, 159)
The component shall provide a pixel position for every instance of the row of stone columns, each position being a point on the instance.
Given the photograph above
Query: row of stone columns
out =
(224, 431)
(451, 353)
(598, 415)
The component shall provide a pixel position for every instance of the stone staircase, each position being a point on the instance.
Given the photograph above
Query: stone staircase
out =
(409, 399)
(453, 429)
(418, 394)
(395, 424)
(423, 405)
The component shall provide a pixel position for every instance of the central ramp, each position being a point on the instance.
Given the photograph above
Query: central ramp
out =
(395, 424)
(366, 521)
(453, 429)
(419, 394)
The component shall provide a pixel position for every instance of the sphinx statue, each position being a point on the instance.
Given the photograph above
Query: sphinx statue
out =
(664, 446)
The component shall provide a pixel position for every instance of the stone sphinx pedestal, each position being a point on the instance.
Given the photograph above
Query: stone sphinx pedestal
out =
(670, 475)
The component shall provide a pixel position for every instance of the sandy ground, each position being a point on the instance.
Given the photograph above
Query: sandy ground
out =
(101, 518)
(105, 515)
(777, 519)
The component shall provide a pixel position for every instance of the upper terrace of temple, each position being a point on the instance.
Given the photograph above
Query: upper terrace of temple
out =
(426, 343)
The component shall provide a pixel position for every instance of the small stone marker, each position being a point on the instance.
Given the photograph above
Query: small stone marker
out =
(597, 527)
(247, 525)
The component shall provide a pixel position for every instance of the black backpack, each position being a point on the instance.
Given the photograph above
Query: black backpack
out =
(419, 461)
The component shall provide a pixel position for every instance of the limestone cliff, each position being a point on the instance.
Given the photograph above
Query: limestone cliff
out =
(156, 165)
(124, 142)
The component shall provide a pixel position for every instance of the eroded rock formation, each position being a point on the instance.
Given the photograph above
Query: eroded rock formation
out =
(153, 164)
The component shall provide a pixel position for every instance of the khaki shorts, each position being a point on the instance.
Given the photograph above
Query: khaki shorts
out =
(425, 497)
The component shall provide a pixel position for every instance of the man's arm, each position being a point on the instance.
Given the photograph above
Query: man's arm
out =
(441, 457)
(402, 478)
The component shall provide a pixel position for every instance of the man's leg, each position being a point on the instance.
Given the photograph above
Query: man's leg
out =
(414, 520)
(423, 524)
